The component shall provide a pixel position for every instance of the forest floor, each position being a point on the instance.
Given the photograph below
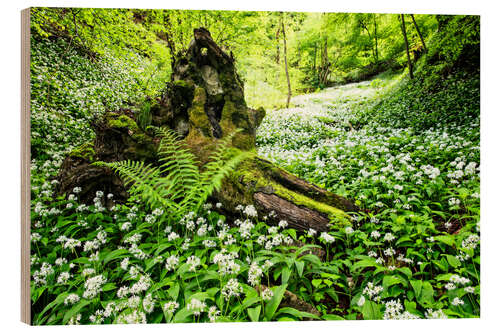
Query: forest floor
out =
(411, 252)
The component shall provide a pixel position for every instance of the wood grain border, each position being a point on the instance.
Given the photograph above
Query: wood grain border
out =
(25, 167)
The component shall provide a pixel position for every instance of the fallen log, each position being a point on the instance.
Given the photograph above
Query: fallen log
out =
(203, 103)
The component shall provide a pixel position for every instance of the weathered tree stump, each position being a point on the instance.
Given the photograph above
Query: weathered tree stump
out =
(204, 102)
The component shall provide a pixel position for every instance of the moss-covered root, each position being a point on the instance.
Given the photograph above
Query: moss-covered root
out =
(281, 196)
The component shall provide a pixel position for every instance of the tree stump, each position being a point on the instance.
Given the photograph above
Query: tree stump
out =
(203, 103)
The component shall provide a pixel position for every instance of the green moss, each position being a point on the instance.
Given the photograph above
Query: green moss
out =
(122, 121)
(254, 180)
(85, 151)
(333, 213)
(233, 118)
(142, 144)
(197, 117)
(182, 83)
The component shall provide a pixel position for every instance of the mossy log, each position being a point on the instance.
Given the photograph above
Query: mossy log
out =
(204, 102)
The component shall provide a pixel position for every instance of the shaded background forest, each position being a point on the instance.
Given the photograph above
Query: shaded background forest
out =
(88, 60)
(322, 48)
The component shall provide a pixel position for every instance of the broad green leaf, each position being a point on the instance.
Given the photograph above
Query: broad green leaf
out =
(390, 280)
(297, 313)
(446, 239)
(453, 261)
(275, 301)
(75, 310)
(254, 313)
(300, 267)
(116, 254)
(417, 287)
(363, 264)
(182, 316)
(331, 317)
(370, 310)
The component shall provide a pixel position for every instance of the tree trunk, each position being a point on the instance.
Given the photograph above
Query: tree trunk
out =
(168, 36)
(278, 45)
(403, 28)
(375, 36)
(204, 102)
(315, 55)
(286, 61)
(325, 64)
(418, 32)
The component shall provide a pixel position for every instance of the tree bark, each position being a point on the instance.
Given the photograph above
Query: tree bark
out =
(278, 45)
(315, 56)
(403, 28)
(325, 64)
(204, 102)
(418, 32)
(375, 35)
(168, 36)
(286, 61)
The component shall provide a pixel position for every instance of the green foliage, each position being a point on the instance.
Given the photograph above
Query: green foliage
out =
(406, 151)
(177, 185)
(145, 116)
(413, 169)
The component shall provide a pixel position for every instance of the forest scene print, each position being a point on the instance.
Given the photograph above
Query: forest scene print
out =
(200, 166)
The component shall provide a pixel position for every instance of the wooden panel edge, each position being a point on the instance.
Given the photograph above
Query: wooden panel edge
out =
(25, 167)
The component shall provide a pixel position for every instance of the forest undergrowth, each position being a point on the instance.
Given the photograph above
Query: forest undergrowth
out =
(407, 152)
(412, 252)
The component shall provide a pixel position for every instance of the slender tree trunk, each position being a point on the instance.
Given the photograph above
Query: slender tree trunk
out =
(286, 62)
(325, 65)
(418, 32)
(168, 36)
(278, 45)
(403, 28)
(181, 32)
(315, 55)
(375, 35)
(374, 45)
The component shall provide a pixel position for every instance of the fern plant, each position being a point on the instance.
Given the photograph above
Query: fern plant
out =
(177, 185)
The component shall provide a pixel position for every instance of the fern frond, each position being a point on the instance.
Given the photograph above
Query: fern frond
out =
(178, 164)
(144, 181)
(222, 162)
(177, 184)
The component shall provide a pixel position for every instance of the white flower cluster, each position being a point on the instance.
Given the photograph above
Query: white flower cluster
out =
(283, 224)
(388, 237)
(71, 299)
(471, 242)
(267, 294)
(327, 238)
(246, 229)
(373, 291)
(196, 306)
(40, 276)
(170, 307)
(226, 262)
(254, 274)
(231, 288)
(454, 202)
(435, 314)
(250, 211)
(393, 309)
(213, 313)
(430, 171)
(134, 317)
(193, 262)
(93, 286)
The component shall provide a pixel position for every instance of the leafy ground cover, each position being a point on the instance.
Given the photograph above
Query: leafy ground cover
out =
(413, 251)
